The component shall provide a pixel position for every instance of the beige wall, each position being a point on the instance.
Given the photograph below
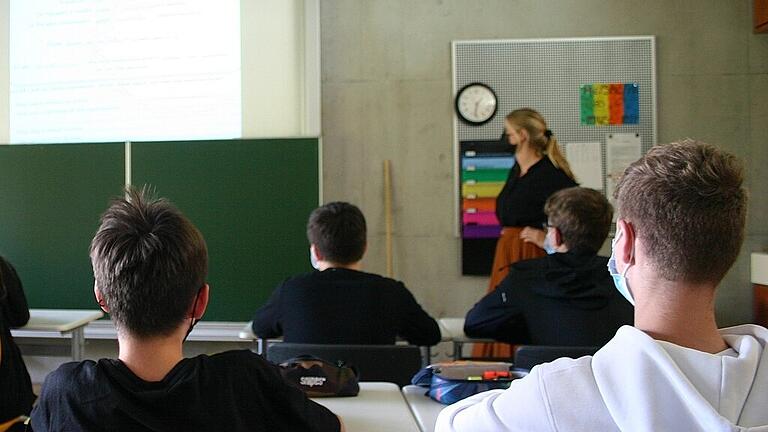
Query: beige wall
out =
(386, 94)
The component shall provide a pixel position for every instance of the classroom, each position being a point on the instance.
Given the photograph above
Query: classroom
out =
(249, 114)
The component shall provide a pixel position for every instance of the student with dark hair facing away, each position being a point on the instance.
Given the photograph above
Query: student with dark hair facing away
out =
(566, 298)
(681, 215)
(339, 303)
(16, 396)
(150, 264)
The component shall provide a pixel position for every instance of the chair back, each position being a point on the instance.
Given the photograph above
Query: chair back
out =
(528, 356)
(388, 363)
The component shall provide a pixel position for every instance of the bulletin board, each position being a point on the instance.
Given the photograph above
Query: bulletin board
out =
(592, 91)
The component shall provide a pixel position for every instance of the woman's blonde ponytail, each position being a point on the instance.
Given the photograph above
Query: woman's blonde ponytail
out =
(541, 138)
(556, 156)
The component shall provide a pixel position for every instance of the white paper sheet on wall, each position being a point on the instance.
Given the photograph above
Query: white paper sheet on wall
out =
(621, 150)
(586, 160)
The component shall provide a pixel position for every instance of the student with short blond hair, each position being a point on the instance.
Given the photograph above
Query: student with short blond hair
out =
(150, 265)
(681, 216)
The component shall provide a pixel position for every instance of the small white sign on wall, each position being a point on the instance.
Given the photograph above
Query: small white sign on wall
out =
(621, 150)
(586, 160)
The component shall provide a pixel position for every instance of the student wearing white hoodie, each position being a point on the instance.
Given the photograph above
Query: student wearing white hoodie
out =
(681, 222)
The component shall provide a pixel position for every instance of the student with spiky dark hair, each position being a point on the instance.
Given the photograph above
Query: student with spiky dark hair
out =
(150, 265)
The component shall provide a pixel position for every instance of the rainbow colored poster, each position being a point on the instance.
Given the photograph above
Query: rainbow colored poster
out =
(605, 104)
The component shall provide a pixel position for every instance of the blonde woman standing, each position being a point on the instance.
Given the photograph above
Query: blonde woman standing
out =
(540, 171)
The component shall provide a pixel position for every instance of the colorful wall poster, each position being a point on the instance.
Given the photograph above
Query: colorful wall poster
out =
(605, 104)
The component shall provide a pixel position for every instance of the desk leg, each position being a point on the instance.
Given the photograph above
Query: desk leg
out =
(457, 347)
(262, 347)
(426, 356)
(78, 343)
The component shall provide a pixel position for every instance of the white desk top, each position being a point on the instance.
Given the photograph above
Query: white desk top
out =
(424, 409)
(60, 320)
(445, 333)
(454, 327)
(246, 333)
(380, 407)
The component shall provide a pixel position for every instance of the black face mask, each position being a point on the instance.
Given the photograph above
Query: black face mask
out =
(504, 137)
(194, 321)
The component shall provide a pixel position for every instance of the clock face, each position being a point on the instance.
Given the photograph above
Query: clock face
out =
(476, 103)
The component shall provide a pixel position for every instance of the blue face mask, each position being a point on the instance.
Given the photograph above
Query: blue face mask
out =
(620, 280)
(548, 247)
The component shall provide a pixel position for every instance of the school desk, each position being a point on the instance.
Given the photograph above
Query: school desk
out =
(453, 329)
(56, 323)
(380, 407)
(424, 409)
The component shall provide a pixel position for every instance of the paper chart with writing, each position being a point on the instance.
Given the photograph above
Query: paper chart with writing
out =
(621, 150)
(586, 161)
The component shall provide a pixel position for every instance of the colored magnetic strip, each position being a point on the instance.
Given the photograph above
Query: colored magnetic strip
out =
(480, 218)
(481, 190)
(482, 162)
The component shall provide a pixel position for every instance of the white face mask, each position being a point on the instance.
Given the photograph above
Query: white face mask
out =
(313, 260)
(620, 280)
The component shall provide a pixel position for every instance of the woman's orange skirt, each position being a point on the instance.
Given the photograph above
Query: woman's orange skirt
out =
(510, 248)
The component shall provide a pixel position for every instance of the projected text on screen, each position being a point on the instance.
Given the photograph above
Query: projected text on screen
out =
(95, 70)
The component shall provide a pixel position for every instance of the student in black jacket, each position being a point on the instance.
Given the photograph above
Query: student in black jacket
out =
(566, 298)
(339, 303)
(150, 264)
(16, 395)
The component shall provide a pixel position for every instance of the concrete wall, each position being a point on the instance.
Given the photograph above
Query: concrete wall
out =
(386, 94)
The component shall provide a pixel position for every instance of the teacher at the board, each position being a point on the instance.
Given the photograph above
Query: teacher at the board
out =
(540, 170)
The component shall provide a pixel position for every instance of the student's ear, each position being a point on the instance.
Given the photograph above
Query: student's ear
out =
(625, 245)
(557, 238)
(316, 251)
(100, 299)
(202, 302)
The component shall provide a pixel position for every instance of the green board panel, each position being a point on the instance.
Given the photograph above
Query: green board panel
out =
(250, 199)
(52, 197)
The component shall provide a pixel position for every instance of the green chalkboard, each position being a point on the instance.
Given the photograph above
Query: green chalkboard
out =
(51, 197)
(249, 198)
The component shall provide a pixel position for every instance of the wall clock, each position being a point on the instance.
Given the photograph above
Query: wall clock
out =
(476, 103)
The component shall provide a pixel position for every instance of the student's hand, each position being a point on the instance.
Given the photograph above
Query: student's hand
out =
(533, 235)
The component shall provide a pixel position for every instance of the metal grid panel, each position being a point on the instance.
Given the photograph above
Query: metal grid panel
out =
(545, 74)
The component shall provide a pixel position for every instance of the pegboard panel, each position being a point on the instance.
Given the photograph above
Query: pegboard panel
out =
(546, 74)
